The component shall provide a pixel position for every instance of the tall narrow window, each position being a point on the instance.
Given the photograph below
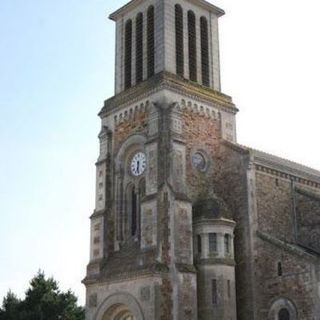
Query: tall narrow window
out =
(128, 54)
(279, 269)
(214, 291)
(179, 41)
(227, 243)
(284, 314)
(229, 288)
(139, 48)
(150, 41)
(204, 51)
(134, 212)
(192, 46)
(199, 244)
(213, 243)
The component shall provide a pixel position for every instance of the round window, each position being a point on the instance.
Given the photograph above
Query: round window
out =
(199, 161)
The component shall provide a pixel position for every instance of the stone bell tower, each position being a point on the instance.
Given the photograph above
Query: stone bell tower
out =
(159, 142)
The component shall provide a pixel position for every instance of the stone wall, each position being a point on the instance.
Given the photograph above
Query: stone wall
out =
(287, 213)
(284, 274)
(201, 134)
(231, 182)
(307, 205)
(130, 124)
(275, 206)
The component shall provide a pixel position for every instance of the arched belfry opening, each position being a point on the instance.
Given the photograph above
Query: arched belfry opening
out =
(118, 312)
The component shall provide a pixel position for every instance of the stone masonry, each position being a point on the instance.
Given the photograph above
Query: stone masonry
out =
(188, 224)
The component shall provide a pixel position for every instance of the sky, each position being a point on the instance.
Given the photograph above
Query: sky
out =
(57, 68)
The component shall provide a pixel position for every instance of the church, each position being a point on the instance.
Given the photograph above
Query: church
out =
(189, 224)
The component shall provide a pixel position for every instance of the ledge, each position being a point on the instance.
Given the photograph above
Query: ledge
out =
(215, 261)
(166, 80)
(134, 3)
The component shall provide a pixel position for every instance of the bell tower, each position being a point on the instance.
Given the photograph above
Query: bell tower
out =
(180, 37)
(159, 145)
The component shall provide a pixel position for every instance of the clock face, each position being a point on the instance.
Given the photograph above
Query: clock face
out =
(138, 164)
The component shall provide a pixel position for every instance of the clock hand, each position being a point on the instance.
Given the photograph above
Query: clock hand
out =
(138, 166)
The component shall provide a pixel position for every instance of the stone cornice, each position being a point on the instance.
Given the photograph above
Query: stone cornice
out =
(169, 81)
(236, 147)
(298, 177)
(285, 166)
(215, 261)
(134, 3)
(97, 214)
(156, 269)
(218, 222)
(279, 167)
(208, 6)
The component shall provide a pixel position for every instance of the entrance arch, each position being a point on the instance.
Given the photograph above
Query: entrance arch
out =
(283, 309)
(118, 312)
(119, 306)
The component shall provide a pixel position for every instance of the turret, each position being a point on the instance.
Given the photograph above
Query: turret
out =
(214, 259)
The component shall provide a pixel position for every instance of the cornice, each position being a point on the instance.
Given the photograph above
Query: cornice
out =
(169, 81)
(215, 261)
(295, 176)
(214, 221)
(236, 147)
(135, 3)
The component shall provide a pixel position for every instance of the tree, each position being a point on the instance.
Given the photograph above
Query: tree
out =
(43, 301)
(10, 307)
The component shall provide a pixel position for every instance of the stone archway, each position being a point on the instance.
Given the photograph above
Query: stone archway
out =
(119, 306)
(118, 312)
(283, 309)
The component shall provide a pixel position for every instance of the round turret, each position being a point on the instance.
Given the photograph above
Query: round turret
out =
(214, 259)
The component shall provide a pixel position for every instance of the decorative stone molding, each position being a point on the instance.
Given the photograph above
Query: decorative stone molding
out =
(120, 299)
(287, 176)
(278, 305)
(166, 80)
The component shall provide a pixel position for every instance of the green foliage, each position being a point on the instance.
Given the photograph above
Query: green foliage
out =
(43, 301)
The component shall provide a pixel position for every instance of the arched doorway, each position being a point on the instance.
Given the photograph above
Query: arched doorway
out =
(284, 314)
(118, 312)
(119, 306)
(283, 309)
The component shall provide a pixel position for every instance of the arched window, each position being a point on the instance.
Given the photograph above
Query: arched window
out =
(213, 245)
(128, 54)
(132, 211)
(139, 47)
(150, 41)
(284, 314)
(179, 40)
(204, 51)
(227, 243)
(192, 46)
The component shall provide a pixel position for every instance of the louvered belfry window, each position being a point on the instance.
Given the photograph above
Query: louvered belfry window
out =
(204, 51)
(150, 41)
(139, 48)
(128, 54)
(179, 40)
(192, 46)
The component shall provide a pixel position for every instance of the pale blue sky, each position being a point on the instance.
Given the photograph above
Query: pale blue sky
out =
(56, 68)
